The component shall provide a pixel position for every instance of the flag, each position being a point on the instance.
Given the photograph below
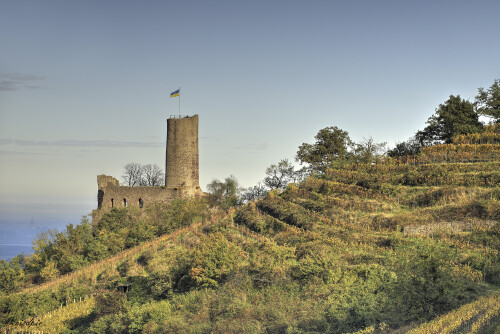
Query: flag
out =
(176, 93)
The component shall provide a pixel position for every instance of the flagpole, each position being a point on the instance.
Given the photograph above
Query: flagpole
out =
(179, 102)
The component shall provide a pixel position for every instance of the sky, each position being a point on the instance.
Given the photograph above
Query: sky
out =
(85, 85)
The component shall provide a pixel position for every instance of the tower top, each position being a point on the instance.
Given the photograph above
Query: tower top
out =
(182, 116)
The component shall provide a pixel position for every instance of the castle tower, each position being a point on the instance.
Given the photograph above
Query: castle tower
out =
(181, 170)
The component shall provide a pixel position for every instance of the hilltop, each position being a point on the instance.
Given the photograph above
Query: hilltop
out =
(355, 242)
(386, 245)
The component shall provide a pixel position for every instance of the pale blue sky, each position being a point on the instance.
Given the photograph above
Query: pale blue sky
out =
(84, 85)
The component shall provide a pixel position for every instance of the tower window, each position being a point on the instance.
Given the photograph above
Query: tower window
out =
(111, 203)
(141, 203)
(125, 202)
(100, 196)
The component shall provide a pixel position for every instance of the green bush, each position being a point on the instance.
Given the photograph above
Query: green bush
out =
(213, 260)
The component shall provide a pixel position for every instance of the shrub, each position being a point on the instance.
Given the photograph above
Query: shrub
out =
(213, 259)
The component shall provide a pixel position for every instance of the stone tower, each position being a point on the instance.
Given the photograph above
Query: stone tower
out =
(181, 169)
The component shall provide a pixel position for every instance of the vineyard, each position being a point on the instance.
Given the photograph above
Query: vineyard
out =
(368, 248)
(470, 318)
(54, 321)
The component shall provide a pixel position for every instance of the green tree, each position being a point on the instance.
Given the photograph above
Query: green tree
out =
(455, 117)
(255, 192)
(50, 271)
(11, 274)
(332, 144)
(410, 147)
(488, 101)
(279, 175)
(224, 193)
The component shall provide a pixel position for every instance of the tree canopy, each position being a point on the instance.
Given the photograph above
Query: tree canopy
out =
(488, 101)
(455, 117)
(224, 193)
(331, 144)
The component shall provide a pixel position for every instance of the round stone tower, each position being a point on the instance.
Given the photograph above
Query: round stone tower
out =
(181, 170)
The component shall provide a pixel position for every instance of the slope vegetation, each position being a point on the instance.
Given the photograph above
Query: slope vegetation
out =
(367, 248)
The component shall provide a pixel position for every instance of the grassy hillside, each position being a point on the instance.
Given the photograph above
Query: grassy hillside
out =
(365, 248)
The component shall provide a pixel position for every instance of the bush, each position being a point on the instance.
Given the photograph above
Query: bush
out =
(213, 260)
(109, 303)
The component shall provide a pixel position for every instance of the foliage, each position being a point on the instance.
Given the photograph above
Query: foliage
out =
(252, 193)
(455, 117)
(331, 144)
(488, 101)
(407, 148)
(279, 175)
(178, 213)
(213, 260)
(367, 151)
(111, 303)
(11, 274)
(470, 318)
(366, 248)
(224, 194)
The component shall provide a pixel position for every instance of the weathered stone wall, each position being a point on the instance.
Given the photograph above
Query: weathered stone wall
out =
(111, 195)
(116, 196)
(182, 159)
(181, 173)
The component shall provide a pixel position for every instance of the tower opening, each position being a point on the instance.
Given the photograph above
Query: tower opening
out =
(100, 196)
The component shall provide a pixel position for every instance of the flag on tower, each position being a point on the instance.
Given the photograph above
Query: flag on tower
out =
(176, 93)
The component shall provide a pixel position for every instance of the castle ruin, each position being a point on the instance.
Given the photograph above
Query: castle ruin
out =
(181, 172)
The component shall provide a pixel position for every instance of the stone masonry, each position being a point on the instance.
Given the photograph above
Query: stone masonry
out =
(181, 173)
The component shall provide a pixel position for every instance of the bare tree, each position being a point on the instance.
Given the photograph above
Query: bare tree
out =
(368, 150)
(142, 175)
(132, 174)
(152, 175)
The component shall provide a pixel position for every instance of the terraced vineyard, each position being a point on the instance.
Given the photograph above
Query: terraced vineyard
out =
(366, 248)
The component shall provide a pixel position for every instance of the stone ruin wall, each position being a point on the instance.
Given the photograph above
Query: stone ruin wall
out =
(112, 195)
(181, 173)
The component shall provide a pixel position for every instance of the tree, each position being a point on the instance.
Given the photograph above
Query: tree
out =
(368, 150)
(224, 194)
(50, 271)
(488, 101)
(279, 175)
(11, 274)
(331, 144)
(255, 192)
(132, 174)
(142, 175)
(410, 147)
(153, 175)
(455, 117)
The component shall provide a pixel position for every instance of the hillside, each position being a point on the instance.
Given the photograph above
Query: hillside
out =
(382, 247)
